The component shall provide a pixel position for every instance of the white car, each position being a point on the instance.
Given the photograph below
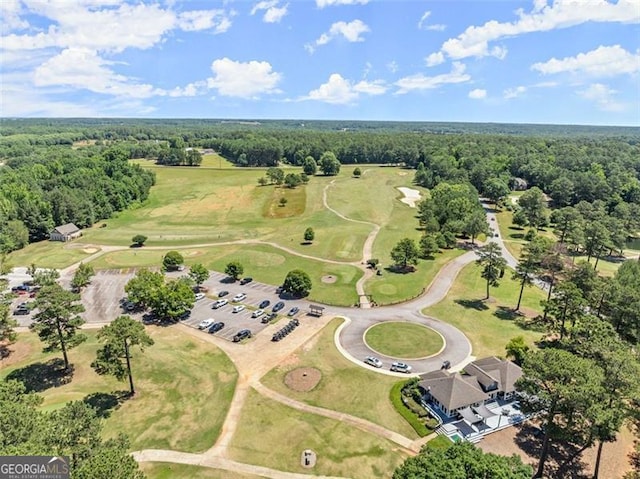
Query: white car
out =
(206, 323)
(220, 303)
(373, 361)
(239, 297)
(199, 296)
(237, 309)
(401, 367)
(257, 313)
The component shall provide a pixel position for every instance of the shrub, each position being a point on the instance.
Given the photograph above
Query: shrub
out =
(396, 399)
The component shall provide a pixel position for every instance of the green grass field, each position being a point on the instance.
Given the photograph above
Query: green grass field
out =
(273, 435)
(177, 380)
(489, 325)
(403, 340)
(344, 386)
(159, 470)
(49, 254)
(263, 262)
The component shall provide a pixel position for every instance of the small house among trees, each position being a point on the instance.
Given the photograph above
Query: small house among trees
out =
(65, 233)
(519, 184)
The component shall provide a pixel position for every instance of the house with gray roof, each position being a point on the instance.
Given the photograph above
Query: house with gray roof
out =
(482, 381)
(65, 232)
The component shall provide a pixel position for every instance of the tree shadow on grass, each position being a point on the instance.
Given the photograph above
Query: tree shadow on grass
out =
(477, 304)
(38, 377)
(506, 314)
(105, 403)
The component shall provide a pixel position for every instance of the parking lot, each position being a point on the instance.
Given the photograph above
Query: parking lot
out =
(234, 322)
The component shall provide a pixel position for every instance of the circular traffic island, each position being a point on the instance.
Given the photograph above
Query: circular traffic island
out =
(403, 340)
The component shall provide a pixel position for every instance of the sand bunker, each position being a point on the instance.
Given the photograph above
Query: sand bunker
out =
(90, 250)
(411, 196)
(303, 379)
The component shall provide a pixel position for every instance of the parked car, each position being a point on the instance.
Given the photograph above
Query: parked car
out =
(264, 304)
(278, 306)
(223, 293)
(200, 296)
(205, 323)
(238, 308)
(293, 311)
(246, 280)
(21, 310)
(239, 297)
(22, 288)
(269, 317)
(446, 364)
(220, 303)
(257, 313)
(215, 327)
(373, 361)
(401, 367)
(242, 334)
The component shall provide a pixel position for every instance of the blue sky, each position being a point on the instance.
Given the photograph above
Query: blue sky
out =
(536, 61)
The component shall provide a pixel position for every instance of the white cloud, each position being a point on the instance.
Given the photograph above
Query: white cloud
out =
(272, 12)
(84, 69)
(478, 94)
(10, 11)
(195, 20)
(436, 27)
(352, 32)
(475, 40)
(340, 91)
(435, 59)
(603, 96)
(423, 82)
(423, 19)
(601, 62)
(392, 66)
(327, 3)
(244, 80)
(514, 92)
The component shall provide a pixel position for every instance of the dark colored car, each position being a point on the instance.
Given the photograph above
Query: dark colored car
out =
(21, 311)
(222, 293)
(278, 306)
(293, 311)
(264, 304)
(246, 280)
(20, 289)
(242, 334)
(215, 327)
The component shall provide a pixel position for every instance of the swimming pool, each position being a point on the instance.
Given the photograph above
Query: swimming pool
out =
(455, 438)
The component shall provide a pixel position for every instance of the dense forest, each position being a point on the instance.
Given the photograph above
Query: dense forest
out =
(75, 170)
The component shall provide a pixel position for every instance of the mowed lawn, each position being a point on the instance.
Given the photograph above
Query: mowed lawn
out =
(262, 262)
(208, 205)
(403, 340)
(50, 254)
(177, 380)
(344, 386)
(161, 470)
(273, 435)
(489, 325)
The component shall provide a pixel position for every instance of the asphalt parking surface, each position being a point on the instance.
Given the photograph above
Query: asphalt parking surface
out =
(234, 322)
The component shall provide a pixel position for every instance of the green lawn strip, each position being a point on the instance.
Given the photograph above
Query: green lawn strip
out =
(263, 262)
(403, 340)
(605, 266)
(513, 235)
(439, 442)
(393, 287)
(163, 470)
(395, 396)
(48, 254)
(273, 435)
(185, 388)
(344, 386)
(480, 320)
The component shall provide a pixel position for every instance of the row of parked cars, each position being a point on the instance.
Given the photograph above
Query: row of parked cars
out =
(395, 366)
